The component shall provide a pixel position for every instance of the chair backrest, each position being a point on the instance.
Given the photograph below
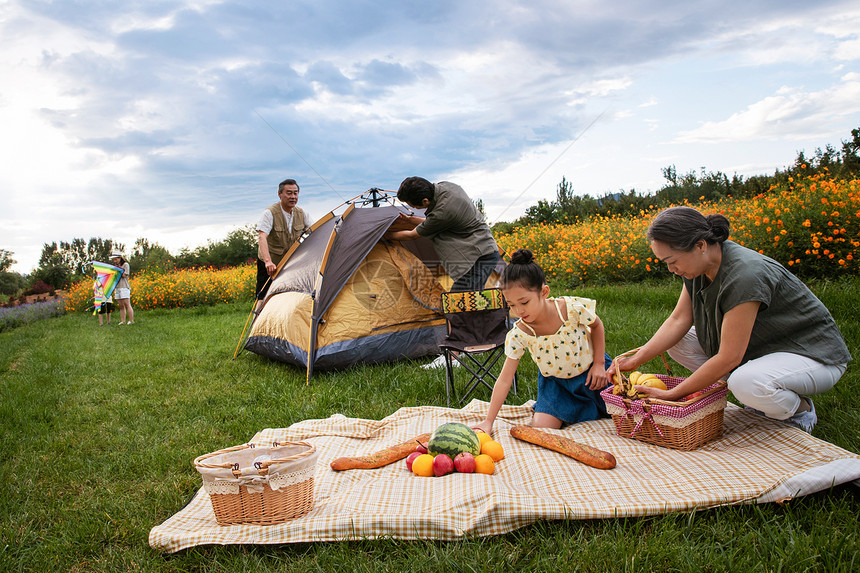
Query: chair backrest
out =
(475, 317)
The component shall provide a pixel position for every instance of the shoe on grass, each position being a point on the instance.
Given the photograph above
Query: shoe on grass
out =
(439, 362)
(804, 420)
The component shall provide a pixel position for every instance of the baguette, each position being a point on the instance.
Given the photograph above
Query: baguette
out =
(381, 458)
(580, 452)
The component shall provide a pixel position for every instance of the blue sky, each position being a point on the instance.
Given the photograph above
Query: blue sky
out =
(175, 120)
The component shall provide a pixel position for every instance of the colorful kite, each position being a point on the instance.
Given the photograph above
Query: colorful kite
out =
(107, 277)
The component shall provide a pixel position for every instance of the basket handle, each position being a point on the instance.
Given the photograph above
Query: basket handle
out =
(262, 467)
(635, 350)
(666, 364)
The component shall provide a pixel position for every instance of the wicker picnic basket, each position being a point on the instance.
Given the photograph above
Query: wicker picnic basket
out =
(678, 425)
(258, 484)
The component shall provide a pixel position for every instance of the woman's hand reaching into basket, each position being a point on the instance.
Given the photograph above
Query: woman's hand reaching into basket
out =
(658, 393)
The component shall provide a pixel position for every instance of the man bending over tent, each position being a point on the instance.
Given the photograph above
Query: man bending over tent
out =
(278, 228)
(462, 238)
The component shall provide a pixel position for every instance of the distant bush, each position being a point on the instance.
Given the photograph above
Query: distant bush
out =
(26, 313)
(39, 287)
(11, 283)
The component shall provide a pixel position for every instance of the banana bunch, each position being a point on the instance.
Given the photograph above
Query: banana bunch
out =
(625, 386)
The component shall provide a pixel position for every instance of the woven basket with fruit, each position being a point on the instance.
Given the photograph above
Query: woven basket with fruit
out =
(682, 425)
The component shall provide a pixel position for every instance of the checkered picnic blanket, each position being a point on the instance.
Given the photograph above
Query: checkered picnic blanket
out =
(756, 461)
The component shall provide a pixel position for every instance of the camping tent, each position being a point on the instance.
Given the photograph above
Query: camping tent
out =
(343, 295)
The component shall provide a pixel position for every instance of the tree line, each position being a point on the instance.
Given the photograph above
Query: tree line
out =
(64, 263)
(570, 207)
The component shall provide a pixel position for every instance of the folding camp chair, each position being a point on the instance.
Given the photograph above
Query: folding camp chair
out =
(477, 324)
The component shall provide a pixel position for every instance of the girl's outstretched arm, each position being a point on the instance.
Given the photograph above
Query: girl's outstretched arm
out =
(597, 378)
(500, 393)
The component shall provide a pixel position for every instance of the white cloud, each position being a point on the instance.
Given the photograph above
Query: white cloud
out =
(150, 108)
(791, 113)
(795, 37)
(597, 89)
(848, 50)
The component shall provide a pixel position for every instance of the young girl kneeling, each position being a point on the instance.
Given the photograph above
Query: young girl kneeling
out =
(563, 336)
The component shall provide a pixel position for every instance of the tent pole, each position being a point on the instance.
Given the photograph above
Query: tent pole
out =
(311, 349)
(312, 342)
(248, 320)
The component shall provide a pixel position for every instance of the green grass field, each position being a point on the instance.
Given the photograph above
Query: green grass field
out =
(99, 427)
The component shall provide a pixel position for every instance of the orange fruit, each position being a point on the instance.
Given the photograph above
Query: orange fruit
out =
(423, 465)
(483, 437)
(493, 449)
(484, 464)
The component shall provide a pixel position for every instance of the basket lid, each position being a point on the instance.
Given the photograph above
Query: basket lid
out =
(253, 460)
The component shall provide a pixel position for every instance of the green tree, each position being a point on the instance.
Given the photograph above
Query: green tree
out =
(479, 205)
(239, 247)
(693, 187)
(11, 282)
(544, 212)
(151, 257)
(6, 260)
(61, 264)
(850, 154)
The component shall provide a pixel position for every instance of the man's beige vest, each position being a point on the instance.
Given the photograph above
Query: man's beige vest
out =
(280, 238)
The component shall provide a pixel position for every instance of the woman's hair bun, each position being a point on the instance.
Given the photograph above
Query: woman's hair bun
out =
(720, 227)
(523, 271)
(522, 257)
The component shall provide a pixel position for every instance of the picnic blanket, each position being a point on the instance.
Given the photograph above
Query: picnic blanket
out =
(756, 461)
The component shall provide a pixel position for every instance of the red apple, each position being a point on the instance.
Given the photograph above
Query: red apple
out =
(421, 449)
(410, 459)
(464, 463)
(442, 465)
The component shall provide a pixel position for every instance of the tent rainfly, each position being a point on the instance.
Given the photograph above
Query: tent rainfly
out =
(343, 295)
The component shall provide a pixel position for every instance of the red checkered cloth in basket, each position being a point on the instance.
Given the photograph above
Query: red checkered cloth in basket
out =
(657, 414)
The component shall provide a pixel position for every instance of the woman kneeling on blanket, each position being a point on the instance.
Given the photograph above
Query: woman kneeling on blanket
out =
(741, 315)
(564, 337)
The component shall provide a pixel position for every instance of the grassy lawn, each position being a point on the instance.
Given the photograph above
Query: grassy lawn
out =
(100, 426)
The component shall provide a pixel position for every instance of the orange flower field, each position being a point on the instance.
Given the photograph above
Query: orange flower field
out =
(178, 288)
(811, 226)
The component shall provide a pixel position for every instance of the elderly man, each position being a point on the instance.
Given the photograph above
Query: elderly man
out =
(279, 227)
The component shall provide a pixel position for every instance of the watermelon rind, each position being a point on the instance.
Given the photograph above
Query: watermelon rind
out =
(454, 438)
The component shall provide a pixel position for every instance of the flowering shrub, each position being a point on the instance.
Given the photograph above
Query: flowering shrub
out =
(177, 288)
(14, 316)
(812, 226)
